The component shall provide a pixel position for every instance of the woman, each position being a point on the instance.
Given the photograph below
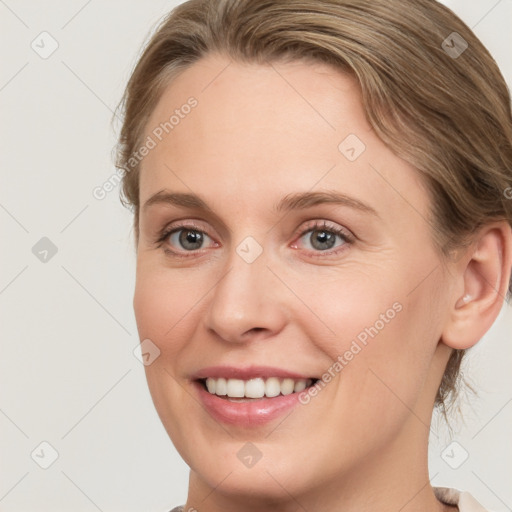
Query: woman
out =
(321, 198)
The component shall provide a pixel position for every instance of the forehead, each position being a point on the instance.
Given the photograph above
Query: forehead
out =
(261, 129)
(231, 95)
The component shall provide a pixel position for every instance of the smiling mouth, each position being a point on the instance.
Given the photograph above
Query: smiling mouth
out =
(239, 390)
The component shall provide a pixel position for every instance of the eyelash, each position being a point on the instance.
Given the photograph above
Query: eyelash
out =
(312, 226)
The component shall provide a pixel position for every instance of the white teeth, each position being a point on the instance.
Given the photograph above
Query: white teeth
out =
(221, 387)
(287, 386)
(300, 385)
(210, 384)
(272, 387)
(256, 388)
(236, 388)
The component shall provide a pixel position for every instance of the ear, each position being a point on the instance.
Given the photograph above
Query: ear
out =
(482, 280)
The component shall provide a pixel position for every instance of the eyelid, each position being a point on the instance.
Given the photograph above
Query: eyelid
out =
(177, 226)
(317, 224)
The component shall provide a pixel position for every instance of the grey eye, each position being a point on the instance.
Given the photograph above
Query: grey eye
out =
(320, 239)
(188, 239)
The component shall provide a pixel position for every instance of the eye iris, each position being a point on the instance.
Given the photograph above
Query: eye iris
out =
(323, 240)
(189, 239)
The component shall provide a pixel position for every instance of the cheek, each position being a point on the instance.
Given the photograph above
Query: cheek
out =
(381, 339)
(350, 309)
(163, 305)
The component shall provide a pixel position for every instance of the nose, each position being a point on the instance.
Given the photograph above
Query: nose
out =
(247, 303)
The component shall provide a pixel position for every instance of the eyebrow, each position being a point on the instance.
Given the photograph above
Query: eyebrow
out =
(295, 201)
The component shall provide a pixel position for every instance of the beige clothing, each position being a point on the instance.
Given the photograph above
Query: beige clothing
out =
(462, 499)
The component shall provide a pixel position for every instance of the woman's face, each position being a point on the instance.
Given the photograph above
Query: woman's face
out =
(301, 249)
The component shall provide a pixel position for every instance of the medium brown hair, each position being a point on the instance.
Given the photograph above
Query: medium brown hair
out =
(430, 90)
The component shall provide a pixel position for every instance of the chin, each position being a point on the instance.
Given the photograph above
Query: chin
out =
(266, 480)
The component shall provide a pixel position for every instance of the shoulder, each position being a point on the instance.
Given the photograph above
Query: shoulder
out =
(464, 501)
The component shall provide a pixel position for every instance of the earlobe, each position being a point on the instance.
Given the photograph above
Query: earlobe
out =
(484, 273)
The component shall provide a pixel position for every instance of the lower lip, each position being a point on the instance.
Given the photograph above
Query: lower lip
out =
(246, 414)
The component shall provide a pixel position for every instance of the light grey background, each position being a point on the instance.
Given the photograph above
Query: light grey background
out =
(68, 375)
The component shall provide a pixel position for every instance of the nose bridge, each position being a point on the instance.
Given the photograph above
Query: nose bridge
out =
(244, 298)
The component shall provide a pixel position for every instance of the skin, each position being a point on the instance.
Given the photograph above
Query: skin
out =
(258, 134)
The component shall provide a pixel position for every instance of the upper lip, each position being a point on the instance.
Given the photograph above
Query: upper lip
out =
(246, 373)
